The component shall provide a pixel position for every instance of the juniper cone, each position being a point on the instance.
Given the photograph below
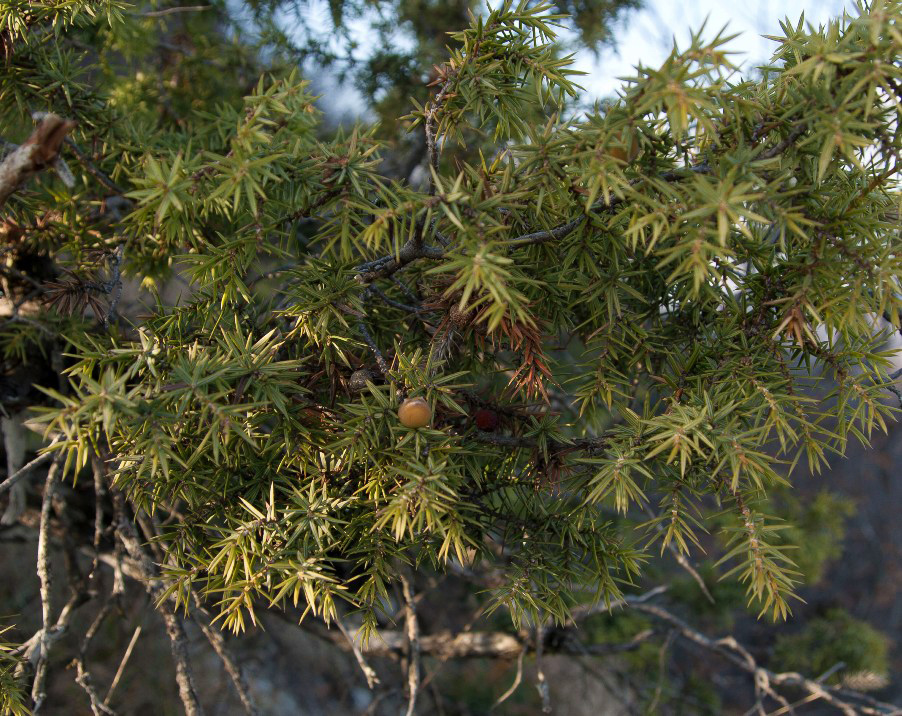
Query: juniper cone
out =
(459, 318)
(414, 413)
(680, 302)
(486, 419)
(358, 380)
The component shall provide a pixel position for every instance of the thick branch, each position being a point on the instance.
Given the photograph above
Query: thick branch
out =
(540, 237)
(387, 265)
(38, 152)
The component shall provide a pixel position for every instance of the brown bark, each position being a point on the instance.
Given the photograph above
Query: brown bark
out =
(38, 152)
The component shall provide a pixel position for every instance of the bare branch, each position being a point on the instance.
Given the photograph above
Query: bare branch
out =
(114, 285)
(83, 679)
(445, 645)
(377, 354)
(430, 125)
(178, 641)
(474, 644)
(416, 249)
(766, 679)
(38, 152)
(517, 679)
(540, 237)
(681, 560)
(413, 644)
(45, 576)
(99, 495)
(25, 469)
(225, 654)
(83, 675)
(388, 300)
(121, 668)
(389, 264)
(372, 680)
(175, 10)
(93, 170)
(583, 612)
(785, 144)
(515, 441)
(662, 669)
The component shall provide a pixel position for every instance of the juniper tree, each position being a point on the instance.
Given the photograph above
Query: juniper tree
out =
(624, 329)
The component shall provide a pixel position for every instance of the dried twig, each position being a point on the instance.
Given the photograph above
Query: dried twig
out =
(681, 559)
(504, 645)
(413, 645)
(372, 680)
(380, 359)
(204, 621)
(588, 610)
(517, 679)
(233, 668)
(175, 10)
(542, 682)
(178, 641)
(121, 668)
(83, 675)
(25, 469)
(45, 576)
(662, 669)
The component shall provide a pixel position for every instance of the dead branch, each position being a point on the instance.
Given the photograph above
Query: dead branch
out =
(38, 152)
(232, 667)
(45, 576)
(764, 678)
(413, 644)
(25, 470)
(372, 680)
(184, 676)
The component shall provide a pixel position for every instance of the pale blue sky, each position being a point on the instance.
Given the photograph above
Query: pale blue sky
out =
(645, 36)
